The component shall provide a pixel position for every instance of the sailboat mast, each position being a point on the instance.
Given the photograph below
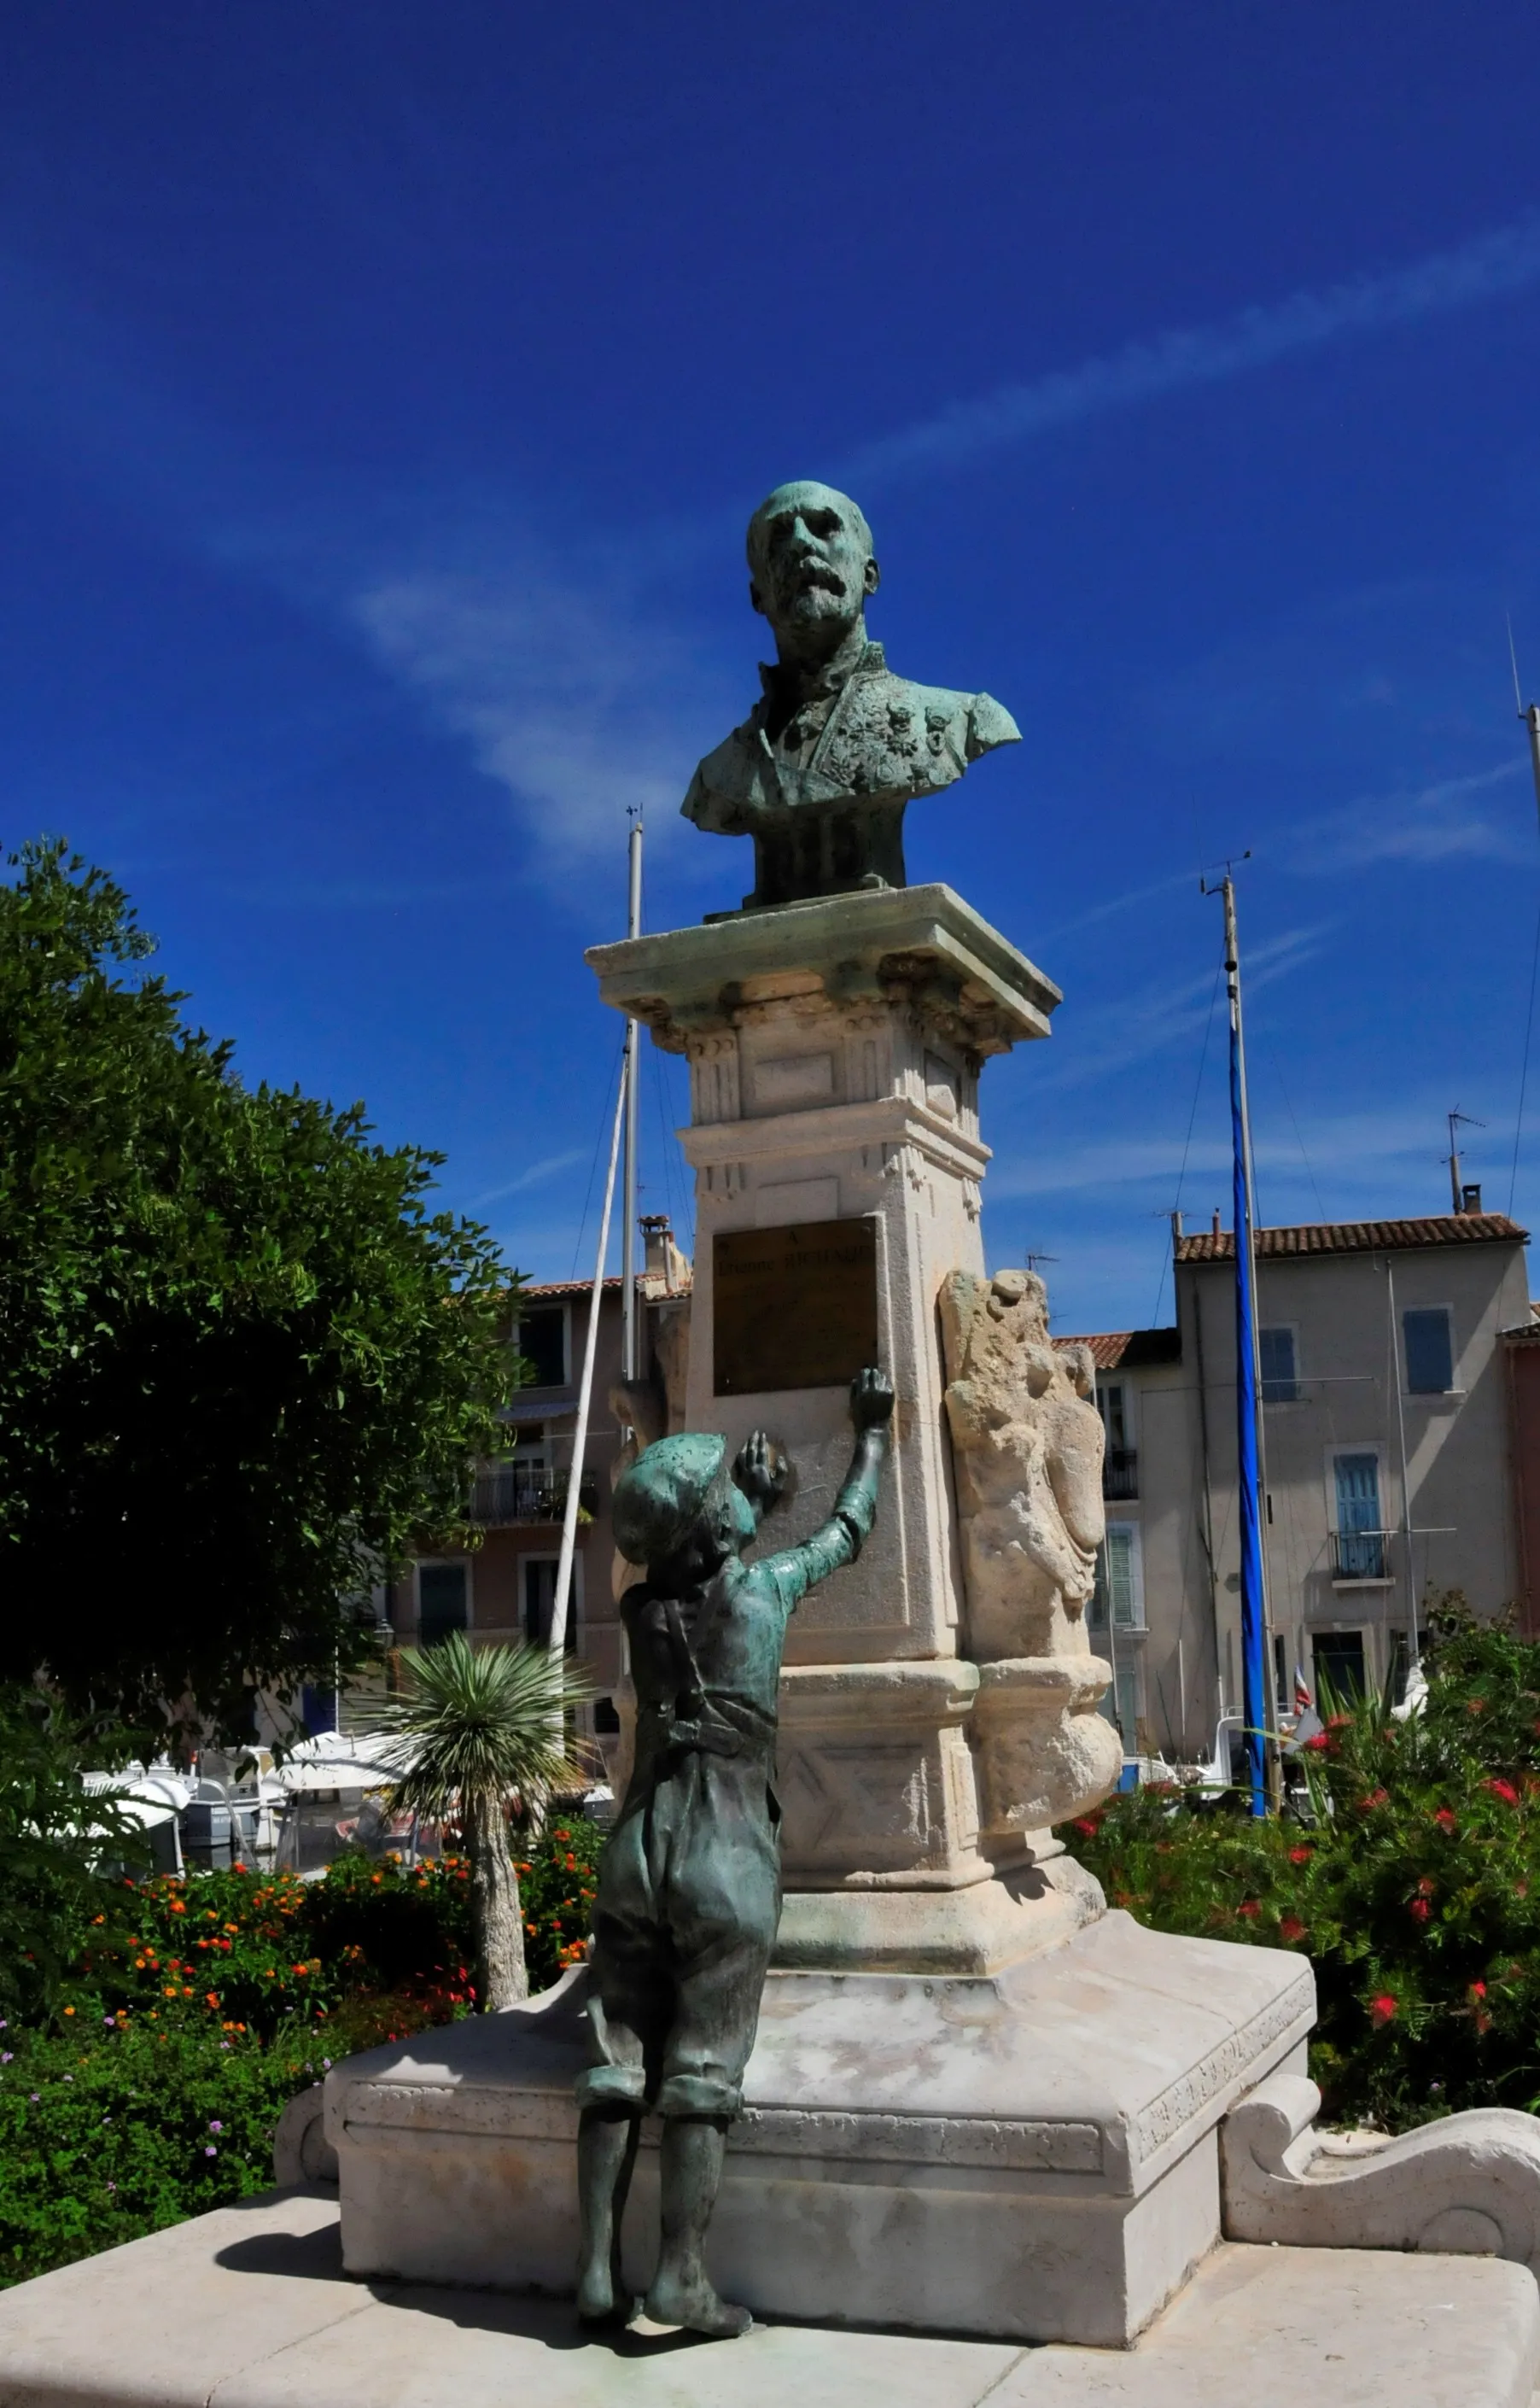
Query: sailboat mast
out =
(1256, 1637)
(629, 1333)
(625, 1124)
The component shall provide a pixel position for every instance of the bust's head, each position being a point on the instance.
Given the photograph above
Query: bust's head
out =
(810, 568)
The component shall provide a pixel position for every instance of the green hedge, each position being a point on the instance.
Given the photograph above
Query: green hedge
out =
(188, 2013)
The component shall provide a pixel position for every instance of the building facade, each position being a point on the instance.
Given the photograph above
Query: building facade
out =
(1395, 1358)
(505, 1588)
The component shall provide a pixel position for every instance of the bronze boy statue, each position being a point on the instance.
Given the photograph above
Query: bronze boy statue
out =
(689, 1893)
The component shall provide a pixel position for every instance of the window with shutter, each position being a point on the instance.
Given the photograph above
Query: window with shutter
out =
(1119, 1589)
(1279, 1376)
(442, 1602)
(1430, 1350)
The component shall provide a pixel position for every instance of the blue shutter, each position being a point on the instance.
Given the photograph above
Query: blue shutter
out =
(1361, 1547)
(1429, 1353)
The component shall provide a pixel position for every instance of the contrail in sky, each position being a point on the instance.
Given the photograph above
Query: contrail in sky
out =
(1505, 261)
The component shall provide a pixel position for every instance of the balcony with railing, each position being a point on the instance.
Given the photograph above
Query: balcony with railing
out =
(511, 1493)
(1361, 1555)
(1120, 1473)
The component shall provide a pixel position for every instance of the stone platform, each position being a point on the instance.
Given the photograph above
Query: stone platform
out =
(249, 2308)
(1031, 2155)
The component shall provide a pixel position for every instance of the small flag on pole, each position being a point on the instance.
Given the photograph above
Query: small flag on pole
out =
(1303, 1699)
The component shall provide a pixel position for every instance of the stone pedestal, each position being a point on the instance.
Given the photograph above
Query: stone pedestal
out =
(834, 1050)
(1032, 2156)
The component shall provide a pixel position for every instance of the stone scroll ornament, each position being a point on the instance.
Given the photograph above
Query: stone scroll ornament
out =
(1027, 1446)
(821, 770)
(688, 1890)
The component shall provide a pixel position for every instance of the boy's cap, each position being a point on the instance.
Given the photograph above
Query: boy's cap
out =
(658, 1498)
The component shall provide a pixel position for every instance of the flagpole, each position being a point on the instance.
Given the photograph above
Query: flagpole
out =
(1256, 1682)
(558, 1638)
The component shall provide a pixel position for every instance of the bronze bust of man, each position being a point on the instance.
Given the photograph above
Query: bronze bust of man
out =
(820, 771)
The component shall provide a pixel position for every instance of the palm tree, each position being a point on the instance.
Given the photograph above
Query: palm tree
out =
(475, 1728)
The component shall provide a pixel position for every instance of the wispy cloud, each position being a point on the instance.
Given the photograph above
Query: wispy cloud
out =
(1116, 1036)
(532, 1177)
(571, 694)
(1443, 822)
(1351, 1152)
(1505, 261)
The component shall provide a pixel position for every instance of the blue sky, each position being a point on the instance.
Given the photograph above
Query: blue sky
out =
(383, 391)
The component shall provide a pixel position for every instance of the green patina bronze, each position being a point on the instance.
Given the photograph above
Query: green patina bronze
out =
(821, 770)
(689, 1894)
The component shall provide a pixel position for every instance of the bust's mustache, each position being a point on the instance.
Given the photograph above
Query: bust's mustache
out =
(807, 575)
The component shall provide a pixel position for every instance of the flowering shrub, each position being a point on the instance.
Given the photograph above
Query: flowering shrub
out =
(191, 2010)
(556, 1887)
(1415, 1890)
(109, 2131)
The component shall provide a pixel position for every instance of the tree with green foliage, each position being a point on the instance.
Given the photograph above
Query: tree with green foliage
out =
(476, 1729)
(244, 1369)
(52, 1841)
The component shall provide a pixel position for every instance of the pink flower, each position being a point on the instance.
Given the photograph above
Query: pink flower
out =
(211, 2151)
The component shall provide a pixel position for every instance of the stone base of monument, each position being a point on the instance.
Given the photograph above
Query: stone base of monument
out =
(250, 2307)
(1030, 2154)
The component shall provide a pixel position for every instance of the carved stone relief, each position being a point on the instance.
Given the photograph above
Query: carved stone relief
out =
(1027, 1446)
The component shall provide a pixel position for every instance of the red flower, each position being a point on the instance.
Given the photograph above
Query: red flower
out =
(1504, 1789)
(1300, 1855)
(1087, 1826)
(1291, 1928)
(1446, 1820)
(1376, 1798)
(1319, 1740)
(1421, 1908)
(1382, 2010)
(1249, 1907)
(1478, 1989)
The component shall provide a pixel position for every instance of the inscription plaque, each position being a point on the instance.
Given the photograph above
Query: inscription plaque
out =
(795, 1308)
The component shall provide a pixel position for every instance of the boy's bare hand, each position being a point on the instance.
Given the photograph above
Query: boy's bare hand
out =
(760, 1468)
(871, 1400)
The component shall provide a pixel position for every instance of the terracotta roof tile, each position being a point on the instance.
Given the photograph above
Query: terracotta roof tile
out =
(1358, 1236)
(1126, 1350)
